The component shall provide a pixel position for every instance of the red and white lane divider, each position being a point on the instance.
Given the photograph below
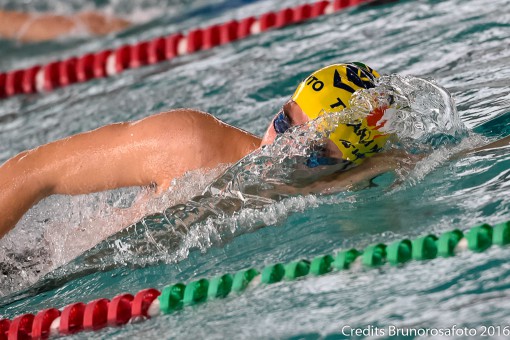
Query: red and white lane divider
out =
(77, 317)
(45, 78)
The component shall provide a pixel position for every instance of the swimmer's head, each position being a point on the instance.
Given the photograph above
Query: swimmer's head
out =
(330, 90)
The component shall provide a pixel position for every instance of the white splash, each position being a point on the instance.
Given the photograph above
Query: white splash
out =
(59, 228)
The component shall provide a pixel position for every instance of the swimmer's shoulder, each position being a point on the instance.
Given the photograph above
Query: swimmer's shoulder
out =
(172, 121)
(200, 121)
(200, 128)
(181, 116)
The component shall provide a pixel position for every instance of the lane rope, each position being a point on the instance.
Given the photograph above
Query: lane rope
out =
(148, 303)
(107, 63)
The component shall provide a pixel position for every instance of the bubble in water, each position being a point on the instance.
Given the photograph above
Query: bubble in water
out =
(63, 227)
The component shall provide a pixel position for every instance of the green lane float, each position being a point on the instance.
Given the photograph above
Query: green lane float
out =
(447, 242)
(196, 292)
(374, 255)
(479, 238)
(399, 252)
(321, 265)
(424, 248)
(220, 287)
(273, 273)
(171, 298)
(297, 269)
(242, 279)
(344, 259)
(501, 234)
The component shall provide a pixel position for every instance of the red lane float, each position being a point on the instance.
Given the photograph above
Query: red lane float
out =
(42, 323)
(156, 51)
(14, 82)
(50, 77)
(119, 310)
(319, 8)
(4, 328)
(2, 85)
(99, 65)
(229, 32)
(341, 4)
(302, 13)
(122, 58)
(195, 40)
(139, 55)
(85, 68)
(267, 21)
(284, 17)
(244, 28)
(67, 72)
(71, 320)
(211, 37)
(142, 302)
(21, 327)
(28, 82)
(172, 45)
(95, 315)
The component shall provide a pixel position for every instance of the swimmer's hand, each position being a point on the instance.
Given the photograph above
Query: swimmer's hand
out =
(372, 167)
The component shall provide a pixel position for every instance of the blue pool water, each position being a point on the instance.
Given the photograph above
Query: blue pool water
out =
(461, 44)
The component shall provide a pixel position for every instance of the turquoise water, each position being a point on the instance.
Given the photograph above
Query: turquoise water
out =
(461, 44)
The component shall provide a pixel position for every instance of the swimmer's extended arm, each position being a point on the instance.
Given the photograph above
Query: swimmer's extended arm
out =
(370, 168)
(373, 167)
(38, 27)
(153, 150)
(366, 171)
(503, 142)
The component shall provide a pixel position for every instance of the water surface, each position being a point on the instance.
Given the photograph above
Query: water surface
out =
(463, 45)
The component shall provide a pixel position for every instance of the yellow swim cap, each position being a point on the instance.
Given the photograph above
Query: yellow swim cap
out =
(329, 90)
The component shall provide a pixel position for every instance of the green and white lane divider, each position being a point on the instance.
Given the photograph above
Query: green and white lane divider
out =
(149, 303)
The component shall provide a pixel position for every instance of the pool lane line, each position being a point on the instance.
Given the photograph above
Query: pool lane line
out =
(147, 303)
(107, 63)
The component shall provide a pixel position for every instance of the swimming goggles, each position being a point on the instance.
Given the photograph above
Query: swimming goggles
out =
(316, 160)
(281, 122)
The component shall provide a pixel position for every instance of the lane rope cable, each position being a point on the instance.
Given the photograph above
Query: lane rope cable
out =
(148, 303)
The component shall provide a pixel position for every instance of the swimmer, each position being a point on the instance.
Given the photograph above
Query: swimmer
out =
(155, 150)
(31, 27)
